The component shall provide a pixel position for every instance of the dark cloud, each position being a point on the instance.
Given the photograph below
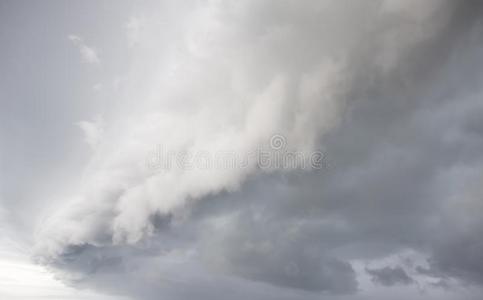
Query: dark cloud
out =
(389, 276)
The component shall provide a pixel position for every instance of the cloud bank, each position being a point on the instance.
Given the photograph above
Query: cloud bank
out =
(388, 90)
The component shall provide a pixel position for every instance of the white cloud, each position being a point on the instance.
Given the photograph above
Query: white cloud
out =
(93, 131)
(88, 54)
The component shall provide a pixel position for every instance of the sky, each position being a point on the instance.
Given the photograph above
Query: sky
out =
(211, 149)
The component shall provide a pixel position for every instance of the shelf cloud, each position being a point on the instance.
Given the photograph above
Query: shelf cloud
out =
(374, 108)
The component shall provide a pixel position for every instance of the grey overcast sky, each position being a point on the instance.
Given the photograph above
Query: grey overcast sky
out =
(260, 149)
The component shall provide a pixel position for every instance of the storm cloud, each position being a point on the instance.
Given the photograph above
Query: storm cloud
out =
(387, 91)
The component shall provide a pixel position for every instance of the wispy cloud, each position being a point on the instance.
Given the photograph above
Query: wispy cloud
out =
(92, 131)
(88, 53)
